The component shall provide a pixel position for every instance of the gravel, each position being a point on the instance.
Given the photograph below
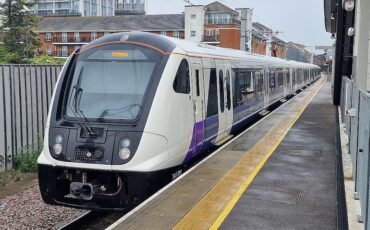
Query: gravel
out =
(26, 210)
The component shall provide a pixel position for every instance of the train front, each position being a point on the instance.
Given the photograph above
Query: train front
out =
(93, 156)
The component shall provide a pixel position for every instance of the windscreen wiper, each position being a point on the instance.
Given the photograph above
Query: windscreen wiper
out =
(76, 106)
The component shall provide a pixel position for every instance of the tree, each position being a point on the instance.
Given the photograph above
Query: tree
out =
(19, 41)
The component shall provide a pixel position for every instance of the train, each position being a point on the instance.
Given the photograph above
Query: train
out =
(130, 109)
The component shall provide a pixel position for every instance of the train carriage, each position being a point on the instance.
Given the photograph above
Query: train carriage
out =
(129, 109)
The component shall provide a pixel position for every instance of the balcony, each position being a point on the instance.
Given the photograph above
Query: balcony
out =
(62, 54)
(76, 40)
(125, 8)
(211, 38)
(50, 13)
(223, 21)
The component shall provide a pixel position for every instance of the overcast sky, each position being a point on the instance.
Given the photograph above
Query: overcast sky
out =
(301, 21)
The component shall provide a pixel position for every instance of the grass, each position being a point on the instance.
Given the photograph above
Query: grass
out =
(25, 164)
(26, 160)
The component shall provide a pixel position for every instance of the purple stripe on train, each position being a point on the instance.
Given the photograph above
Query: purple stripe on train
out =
(196, 141)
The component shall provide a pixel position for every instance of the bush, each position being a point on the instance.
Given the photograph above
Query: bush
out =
(47, 60)
(26, 160)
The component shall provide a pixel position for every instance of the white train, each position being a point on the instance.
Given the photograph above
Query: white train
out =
(130, 107)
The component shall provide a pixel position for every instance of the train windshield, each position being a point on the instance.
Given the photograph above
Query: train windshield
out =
(110, 82)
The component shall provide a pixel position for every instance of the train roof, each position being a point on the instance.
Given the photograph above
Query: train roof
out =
(204, 50)
(173, 45)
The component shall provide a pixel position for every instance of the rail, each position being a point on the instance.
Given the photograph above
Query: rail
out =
(355, 109)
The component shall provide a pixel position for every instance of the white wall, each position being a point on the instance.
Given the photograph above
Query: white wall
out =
(245, 17)
(194, 21)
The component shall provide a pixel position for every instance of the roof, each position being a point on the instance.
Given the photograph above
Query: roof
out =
(219, 7)
(161, 22)
(260, 26)
(278, 40)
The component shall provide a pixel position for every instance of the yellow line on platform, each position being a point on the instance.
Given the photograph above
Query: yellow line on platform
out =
(211, 211)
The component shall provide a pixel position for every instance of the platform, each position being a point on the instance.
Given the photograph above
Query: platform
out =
(278, 174)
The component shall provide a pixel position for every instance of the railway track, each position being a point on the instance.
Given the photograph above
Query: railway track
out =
(92, 220)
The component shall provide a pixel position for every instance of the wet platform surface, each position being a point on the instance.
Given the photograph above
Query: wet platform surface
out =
(279, 174)
(296, 188)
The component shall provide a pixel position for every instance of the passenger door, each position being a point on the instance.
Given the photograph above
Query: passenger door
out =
(266, 84)
(286, 81)
(198, 92)
(222, 110)
(197, 82)
(228, 98)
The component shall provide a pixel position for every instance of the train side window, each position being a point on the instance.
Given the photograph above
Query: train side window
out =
(248, 81)
(280, 75)
(272, 79)
(182, 79)
(258, 78)
(287, 76)
(238, 97)
(221, 83)
(197, 81)
(212, 107)
(228, 90)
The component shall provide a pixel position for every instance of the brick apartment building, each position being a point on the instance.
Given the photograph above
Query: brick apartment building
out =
(60, 36)
(214, 24)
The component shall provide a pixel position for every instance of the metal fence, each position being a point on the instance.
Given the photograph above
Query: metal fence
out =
(355, 108)
(25, 93)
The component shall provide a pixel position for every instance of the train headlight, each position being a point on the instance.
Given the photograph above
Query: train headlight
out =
(125, 143)
(124, 153)
(57, 147)
(348, 5)
(58, 139)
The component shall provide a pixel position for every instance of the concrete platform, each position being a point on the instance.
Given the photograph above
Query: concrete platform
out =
(295, 189)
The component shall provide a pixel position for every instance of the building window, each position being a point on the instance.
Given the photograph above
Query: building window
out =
(94, 36)
(64, 51)
(209, 32)
(77, 36)
(193, 16)
(48, 37)
(176, 34)
(48, 50)
(64, 37)
(106, 33)
(193, 33)
(163, 33)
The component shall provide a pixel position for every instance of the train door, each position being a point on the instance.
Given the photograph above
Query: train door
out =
(197, 81)
(228, 97)
(294, 79)
(286, 81)
(290, 77)
(197, 84)
(266, 85)
(222, 110)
